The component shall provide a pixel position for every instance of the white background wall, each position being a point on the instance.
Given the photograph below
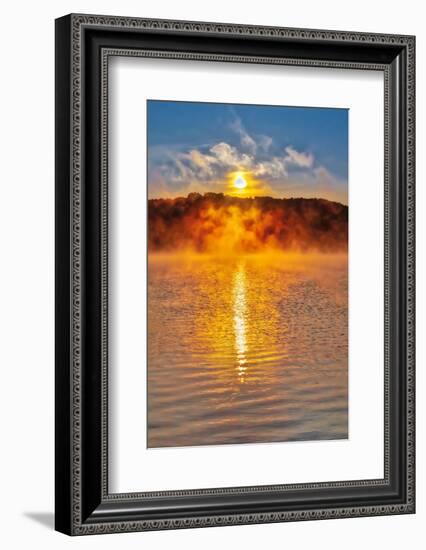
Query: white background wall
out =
(27, 281)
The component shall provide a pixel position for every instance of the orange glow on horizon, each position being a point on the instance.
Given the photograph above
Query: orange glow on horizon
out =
(217, 223)
(242, 184)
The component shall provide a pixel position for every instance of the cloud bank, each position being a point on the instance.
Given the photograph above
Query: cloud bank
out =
(279, 172)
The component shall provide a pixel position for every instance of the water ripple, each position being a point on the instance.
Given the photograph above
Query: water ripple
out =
(249, 349)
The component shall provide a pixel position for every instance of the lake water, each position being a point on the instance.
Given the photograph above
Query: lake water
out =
(247, 349)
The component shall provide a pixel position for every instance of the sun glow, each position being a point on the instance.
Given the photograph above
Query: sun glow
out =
(239, 181)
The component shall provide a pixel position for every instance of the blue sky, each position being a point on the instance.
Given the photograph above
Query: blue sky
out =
(281, 151)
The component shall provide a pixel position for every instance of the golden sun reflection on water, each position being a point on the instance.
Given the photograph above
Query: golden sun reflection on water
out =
(240, 310)
(246, 349)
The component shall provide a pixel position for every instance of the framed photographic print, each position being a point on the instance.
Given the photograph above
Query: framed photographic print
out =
(234, 274)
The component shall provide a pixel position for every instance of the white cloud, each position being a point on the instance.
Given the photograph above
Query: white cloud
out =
(247, 142)
(303, 160)
(271, 169)
(228, 155)
(203, 164)
(183, 172)
(264, 142)
(209, 168)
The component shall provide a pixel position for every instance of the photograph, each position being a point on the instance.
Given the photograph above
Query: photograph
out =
(247, 256)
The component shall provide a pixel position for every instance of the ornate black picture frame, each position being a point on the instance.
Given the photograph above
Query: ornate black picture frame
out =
(84, 44)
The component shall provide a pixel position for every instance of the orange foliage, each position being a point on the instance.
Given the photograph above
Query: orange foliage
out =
(218, 223)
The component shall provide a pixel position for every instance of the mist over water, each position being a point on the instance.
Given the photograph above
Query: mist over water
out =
(247, 348)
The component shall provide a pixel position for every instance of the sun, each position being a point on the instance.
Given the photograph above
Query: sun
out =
(240, 182)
